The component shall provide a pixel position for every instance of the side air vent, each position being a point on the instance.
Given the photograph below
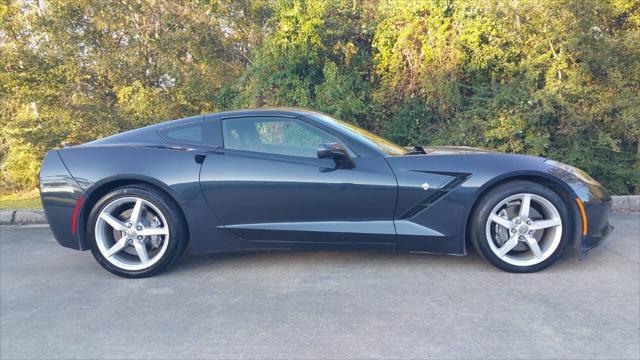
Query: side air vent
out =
(434, 196)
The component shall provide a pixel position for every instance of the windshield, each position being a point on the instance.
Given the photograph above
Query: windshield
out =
(366, 136)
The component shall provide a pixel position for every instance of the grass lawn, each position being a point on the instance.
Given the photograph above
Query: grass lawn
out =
(21, 200)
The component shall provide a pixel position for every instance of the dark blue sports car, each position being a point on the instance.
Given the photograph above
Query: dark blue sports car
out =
(294, 179)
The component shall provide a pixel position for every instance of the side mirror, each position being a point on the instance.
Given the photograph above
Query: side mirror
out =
(336, 152)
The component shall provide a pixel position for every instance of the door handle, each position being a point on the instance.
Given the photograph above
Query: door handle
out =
(199, 158)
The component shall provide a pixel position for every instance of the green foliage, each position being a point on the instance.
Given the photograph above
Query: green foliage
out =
(319, 57)
(554, 78)
(548, 78)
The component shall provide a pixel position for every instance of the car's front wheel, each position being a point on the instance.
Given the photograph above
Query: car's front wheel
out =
(135, 231)
(521, 226)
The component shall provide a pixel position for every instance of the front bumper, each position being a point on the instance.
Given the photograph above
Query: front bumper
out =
(594, 240)
(597, 206)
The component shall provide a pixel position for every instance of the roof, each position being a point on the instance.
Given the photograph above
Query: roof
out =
(267, 111)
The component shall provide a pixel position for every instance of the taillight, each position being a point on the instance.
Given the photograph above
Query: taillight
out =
(74, 218)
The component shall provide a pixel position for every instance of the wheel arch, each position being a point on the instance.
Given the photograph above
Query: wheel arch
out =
(556, 185)
(93, 194)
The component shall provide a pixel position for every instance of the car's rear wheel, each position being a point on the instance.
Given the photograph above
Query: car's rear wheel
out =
(136, 231)
(520, 226)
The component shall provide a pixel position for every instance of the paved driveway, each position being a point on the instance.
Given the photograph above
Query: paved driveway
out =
(58, 303)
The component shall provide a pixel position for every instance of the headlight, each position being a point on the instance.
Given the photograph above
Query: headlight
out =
(580, 174)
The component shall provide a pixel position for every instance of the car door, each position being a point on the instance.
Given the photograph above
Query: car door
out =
(267, 184)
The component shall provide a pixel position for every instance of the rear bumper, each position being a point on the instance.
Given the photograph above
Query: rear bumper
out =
(60, 194)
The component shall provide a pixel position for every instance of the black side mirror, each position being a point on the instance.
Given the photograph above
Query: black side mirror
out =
(337, 152)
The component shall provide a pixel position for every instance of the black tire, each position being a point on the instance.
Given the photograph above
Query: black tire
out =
(491, 199)
(172, 214)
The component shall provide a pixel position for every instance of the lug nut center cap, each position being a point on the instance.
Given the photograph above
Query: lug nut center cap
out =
(523, 229)
(131, 233)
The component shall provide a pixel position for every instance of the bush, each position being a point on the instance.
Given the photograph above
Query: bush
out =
(550, 78)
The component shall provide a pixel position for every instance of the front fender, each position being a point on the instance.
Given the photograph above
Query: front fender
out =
(478, 172)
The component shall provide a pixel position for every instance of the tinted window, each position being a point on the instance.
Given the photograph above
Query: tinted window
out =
(274, 135)
(200, 133)
(188, 134)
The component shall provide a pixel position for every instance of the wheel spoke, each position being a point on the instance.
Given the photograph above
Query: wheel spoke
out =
(135, 213)
(502, 221)
(132, 233)
(154, 231)
(525, 206)
(121, 244)
(534, 246)
(508, 246)
(115, 223)
(142, 252)
(543, 224)
(533, 226)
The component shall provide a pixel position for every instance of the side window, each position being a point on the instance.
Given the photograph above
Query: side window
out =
(273, 135)
(199, 133)
(191, 134)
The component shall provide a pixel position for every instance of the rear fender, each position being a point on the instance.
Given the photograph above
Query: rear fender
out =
(98, 189)
(174, 171)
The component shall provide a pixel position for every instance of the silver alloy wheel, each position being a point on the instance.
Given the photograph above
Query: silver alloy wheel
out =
(132, 233)
(538, 235)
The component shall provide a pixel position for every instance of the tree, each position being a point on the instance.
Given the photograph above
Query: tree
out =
(547, 78)
(553, 78)
(76, 70)
(319, 56)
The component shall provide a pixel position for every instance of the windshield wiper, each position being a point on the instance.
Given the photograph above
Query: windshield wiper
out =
(417, 150)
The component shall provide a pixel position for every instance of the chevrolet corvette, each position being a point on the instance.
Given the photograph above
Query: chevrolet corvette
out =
(283, 179)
